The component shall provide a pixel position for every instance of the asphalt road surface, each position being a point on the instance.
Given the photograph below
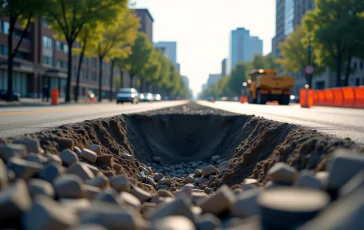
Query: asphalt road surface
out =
(21, 120)
(341, 122)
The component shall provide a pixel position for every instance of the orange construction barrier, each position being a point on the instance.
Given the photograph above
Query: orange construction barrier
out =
(338, 96)
(359, 97)
(349, 96)
(243, 99)
(54, 96)
(307, 97)
(319, 97)
(329, 97)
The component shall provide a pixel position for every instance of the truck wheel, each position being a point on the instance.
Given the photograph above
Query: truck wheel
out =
(284, 100)
(261, 98)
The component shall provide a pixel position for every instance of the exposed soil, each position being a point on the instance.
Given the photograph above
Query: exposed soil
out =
(193, 133)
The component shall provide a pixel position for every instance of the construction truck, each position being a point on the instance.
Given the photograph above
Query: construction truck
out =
(265, 86)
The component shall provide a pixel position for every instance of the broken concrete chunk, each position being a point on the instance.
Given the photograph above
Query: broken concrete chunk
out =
(42, 187)
(109, 196)
(88, 155)
(197, 196)
(77, 150)
(24, 169)
(142, 195)
(106, 159)
(353, 185)
(189, 179)
(76, 205)
(207, 221)
(32, 145)
(282, 173)
(246, 204)
(90, 191)
(51, 172)
(94, 169)
(287, 208)
(208, 170)
(36, 158)
(219, 202)
(120, 183)
(46, 213)
(96, 149)
(69, 186)
(201, 180)
(66, 143)
(181, 206)
(308, 180)
(131, 200)
(165, 193)
(80, 169)
(53, 158)
(173, 223)
(100, 181)
(127, 156)
(343, 166)
(3, 175)
(14, 200)
(8, 151)
(68, 157)
(150, 181)
(157, 176)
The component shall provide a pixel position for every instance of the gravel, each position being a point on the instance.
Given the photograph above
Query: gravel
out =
(231, 172)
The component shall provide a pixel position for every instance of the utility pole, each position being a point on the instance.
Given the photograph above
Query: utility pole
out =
(309, 50)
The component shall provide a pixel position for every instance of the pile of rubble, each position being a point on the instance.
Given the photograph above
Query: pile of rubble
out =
(86, 189)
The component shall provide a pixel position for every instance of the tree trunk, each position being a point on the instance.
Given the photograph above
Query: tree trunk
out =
(100, 79)
(347, 71)
(338, 70)
(10, 58)
(111, 79)
(121, 79)
(80, 61)
(69, 71)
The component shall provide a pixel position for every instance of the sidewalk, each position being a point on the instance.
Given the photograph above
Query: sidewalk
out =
(38, 102)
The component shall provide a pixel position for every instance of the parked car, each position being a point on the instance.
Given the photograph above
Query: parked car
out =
(127, 95)
(148, 97)
(157, 97)
(4, 95)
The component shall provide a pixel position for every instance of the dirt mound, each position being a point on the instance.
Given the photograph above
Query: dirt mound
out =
(196, 133)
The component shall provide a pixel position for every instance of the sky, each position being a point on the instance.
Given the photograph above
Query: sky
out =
(201, 29)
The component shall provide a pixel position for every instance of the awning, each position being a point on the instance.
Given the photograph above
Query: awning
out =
(18, 67)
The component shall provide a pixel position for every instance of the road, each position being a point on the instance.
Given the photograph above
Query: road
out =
(21, 120)
(341, 122)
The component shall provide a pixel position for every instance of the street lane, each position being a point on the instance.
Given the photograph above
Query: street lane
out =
(17, 121)
(341, 122)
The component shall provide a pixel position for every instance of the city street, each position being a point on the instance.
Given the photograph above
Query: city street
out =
(16, 121)
(341, 122)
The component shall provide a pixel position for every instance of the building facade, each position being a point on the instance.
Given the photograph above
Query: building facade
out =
(146, 23)
(213, 78)
(242, 47)
(42, 61)
(223, 67)
(186, 81)
(171, 48)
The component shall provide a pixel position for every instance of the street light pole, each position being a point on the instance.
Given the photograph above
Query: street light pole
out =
(309, 50)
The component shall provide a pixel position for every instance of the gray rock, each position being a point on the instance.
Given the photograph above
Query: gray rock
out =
(96, 148)
(165, 181)
(202, 180)
(249, 181)
(109, 196)
(90, 192)
(189, 179)
(88, 227)
(32, 145)
(120, 183)
(88, 155)
(197, 196)
(48, 214)
(150, 181)
(77, 205)
(142, 195)
(8, 151)
(52, 158)
(157, 176)
(246, 204)
(181, 206)
(287, 208)
(51, 172)
(165, 193)
(356, 183)
(215, 158)
(80, 169)
(198, 172)
(173, 223)
(100, 181)
(208, 170)
(66, 143)
(40, 187)
(141, 176)
(207, 221)
(94, 169)
(24, 169)
(208, 190)
(162, 186)
(223, 165)
(14, 200)
(69, 186)
(3, 176)
(343, 167)
(127, 156)
(219, 202)
(77, 150)
(273, 185)
(282, 173)
(130, 200)
(68, 157)
(36, 158)
(323, 176)
(308, 180)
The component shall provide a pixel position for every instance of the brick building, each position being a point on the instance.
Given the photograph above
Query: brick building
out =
(42, 60)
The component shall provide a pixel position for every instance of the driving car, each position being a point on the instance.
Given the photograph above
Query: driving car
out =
(147, 97)
(4, 94)
(127, 95)
(157, 97)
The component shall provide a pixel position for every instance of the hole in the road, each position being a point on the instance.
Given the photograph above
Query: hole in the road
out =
(180, 138)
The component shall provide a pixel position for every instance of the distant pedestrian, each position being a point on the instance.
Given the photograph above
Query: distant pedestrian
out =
(46, 93)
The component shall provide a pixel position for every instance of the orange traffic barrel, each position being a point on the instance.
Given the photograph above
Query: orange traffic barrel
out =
(54, 96)
(307, 98)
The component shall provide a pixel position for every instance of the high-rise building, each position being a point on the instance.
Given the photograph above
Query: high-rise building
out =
(146, 23)
(171, 48)
(178, 67)
(213, 78)
(242, 47)
(187, 81)
(163, 51)
(223, 67)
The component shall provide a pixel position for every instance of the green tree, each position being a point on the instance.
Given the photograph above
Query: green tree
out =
(152, 70)
(68, 17)
(18, 11)
(334, 26)
(114, 41)
(136, 63)
(270, 62)
(238, 75)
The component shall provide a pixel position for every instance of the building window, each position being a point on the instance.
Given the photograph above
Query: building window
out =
(62, 47)
(74, 72)
(357, 82)
(47, 61)
(47, 42)
(361, 65)
(4, 50)
(354, 65)
(59, 64)
(81, 74)
(4, 27)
